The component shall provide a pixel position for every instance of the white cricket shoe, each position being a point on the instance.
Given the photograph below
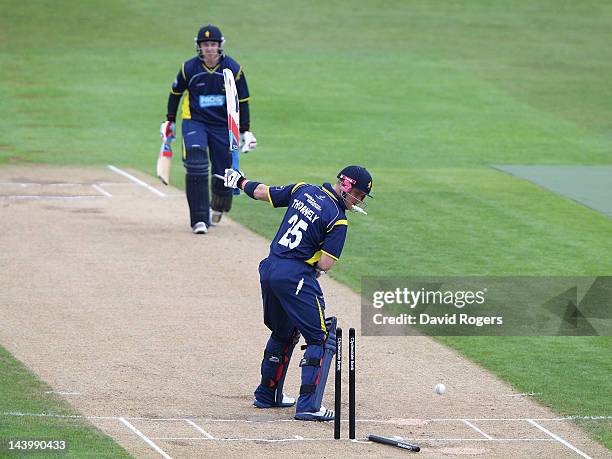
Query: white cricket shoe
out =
(199, 228)
(322, 415)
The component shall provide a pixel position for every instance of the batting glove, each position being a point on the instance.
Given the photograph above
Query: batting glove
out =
(248, 142)
(233, 178)
(167, 131)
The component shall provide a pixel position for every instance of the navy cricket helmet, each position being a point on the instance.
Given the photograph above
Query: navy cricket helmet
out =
(356, 177)
(209, 33)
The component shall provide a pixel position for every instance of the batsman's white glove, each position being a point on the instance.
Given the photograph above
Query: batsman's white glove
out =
(168, 131)
(248, 142)
(232, 178)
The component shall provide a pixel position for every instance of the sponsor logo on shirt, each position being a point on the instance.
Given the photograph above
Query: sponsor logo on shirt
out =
(312, 202)
(212, 101)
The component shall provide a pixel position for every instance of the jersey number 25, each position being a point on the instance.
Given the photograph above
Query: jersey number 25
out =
(293, 235)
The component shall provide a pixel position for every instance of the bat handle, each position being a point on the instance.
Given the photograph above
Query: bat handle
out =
(166, 150)
(235, 166)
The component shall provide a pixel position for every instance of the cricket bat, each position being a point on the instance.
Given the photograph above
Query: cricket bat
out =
(394, 442)
(164, 161)
(233, 118)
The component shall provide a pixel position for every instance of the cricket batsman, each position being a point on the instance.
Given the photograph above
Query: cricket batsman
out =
(308, 242)
(204, 126)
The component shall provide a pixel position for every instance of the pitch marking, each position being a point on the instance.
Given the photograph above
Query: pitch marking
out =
(477, 429)
(146, 439)
(136, 180)
(559, 439)
(199, 429)
(101, 190)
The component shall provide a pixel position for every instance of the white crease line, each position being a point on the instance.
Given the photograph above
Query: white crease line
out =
(559, 439)
(274, 440)
(482, 439)
(145, 438)
(381, 421)
(565, 418)
(136, 180)
(426, 439)
(68, 198)
(184, 438)
(199, 429)
(477, 429)
(26, 184)
(299, 438)
(101, 190)
(268, 440)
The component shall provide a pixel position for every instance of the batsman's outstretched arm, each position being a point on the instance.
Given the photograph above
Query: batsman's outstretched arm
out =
(235, 179)
(260, 192)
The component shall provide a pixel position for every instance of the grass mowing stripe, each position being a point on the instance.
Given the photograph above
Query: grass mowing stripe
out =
(21, 391)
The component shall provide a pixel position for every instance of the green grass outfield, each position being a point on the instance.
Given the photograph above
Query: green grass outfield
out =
(426, 94)
(21, 392)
